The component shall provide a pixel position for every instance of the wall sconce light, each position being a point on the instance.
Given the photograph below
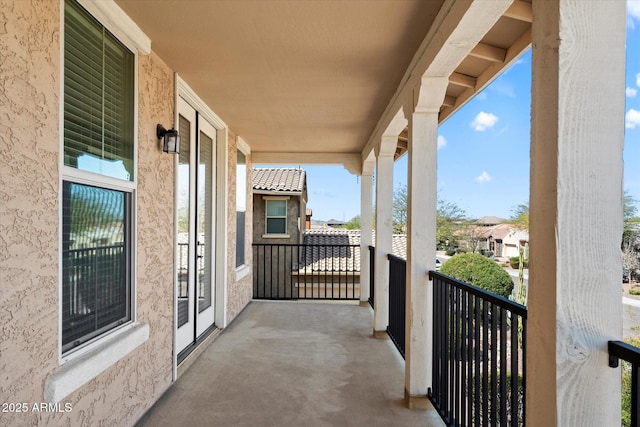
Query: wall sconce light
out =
(171, 139)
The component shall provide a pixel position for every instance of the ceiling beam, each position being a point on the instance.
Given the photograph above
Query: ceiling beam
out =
(491, 73)
(351, 161)
(489, 52)
(449, 101)
(457, 29)
(462, 80)
(520, 10)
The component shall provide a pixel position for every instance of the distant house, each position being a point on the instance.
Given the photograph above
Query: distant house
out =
(279, 205)
(504, 240)
(335, 223)
(493, 234)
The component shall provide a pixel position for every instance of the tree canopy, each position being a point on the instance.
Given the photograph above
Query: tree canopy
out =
(520, 217)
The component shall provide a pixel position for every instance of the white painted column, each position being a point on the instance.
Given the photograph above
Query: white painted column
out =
(421, 238)
(576, 212)
(366, 224)
(384, 233)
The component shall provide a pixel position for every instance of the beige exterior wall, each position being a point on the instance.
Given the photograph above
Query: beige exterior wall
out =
(239, 280)
(30, 196)
(29, 200)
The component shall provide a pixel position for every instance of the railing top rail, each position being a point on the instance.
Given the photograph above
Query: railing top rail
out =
(624, 351)
(372, 248)
(95, 248)
(392, 257)
(309, 245)
(498, 300)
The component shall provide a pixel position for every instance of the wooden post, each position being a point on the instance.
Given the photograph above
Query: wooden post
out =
(576, 212)
(421, 238)
(384, 233)
(366, 223)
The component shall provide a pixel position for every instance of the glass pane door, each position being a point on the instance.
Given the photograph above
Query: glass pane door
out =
(195, 251)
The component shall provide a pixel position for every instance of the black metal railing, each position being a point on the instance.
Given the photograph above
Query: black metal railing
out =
(372, 274)
(95, 292)
(306, 271)
(628, 353)
(479, 345)
(397, 301)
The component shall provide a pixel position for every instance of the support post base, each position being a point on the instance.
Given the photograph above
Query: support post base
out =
(417, 401)
(381, 335)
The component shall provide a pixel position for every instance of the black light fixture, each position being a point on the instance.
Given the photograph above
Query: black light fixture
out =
(171, 139)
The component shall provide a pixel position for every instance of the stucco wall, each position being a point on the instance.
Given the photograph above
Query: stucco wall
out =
(293, 219)
(29, 230)
(239, 290)
(29, 202)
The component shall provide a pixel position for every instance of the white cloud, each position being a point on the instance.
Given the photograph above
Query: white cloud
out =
(484, 177)
(442, 142)
(638, 79)
(484, 121)
(632, 119)
(631, 92)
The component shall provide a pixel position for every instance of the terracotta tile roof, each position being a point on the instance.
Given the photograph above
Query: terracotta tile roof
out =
(339, 258)
(490, 220)
(279, 180)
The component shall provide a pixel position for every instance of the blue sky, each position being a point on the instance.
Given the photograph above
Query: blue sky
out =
(483, 154)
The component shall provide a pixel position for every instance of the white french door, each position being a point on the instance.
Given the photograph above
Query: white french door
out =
(195, 251)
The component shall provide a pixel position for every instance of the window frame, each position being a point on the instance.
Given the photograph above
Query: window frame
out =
(266, 234)
(104, 14)
(242, 147)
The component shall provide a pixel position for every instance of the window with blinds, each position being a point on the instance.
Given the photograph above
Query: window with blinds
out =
(96, 249)
(97, 218)
(98, 97)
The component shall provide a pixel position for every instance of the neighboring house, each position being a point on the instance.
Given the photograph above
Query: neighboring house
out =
(279, 205)
(504, 240)
(493, 234)
(343, 259)
(335, 223)
(331, 259)
(307, 222)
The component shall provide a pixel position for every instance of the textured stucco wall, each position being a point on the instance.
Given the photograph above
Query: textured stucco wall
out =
(239, 292)
(293, 219)
(29, 230)
(29, 203)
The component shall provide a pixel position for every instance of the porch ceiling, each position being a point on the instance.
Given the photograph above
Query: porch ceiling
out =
(304, 77)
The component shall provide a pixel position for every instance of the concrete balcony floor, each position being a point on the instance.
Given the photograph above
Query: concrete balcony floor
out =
(293, 364)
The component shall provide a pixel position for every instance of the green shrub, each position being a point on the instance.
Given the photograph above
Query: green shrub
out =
(634, 291)
(515, 262)
(462, 250)
(479, 271)
(450, 252)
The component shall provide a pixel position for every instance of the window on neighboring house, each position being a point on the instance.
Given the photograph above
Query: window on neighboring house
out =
(241, 206)
(276, 217)
(98, 180)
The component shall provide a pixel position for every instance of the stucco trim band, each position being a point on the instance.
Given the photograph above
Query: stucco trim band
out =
(75, 373)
